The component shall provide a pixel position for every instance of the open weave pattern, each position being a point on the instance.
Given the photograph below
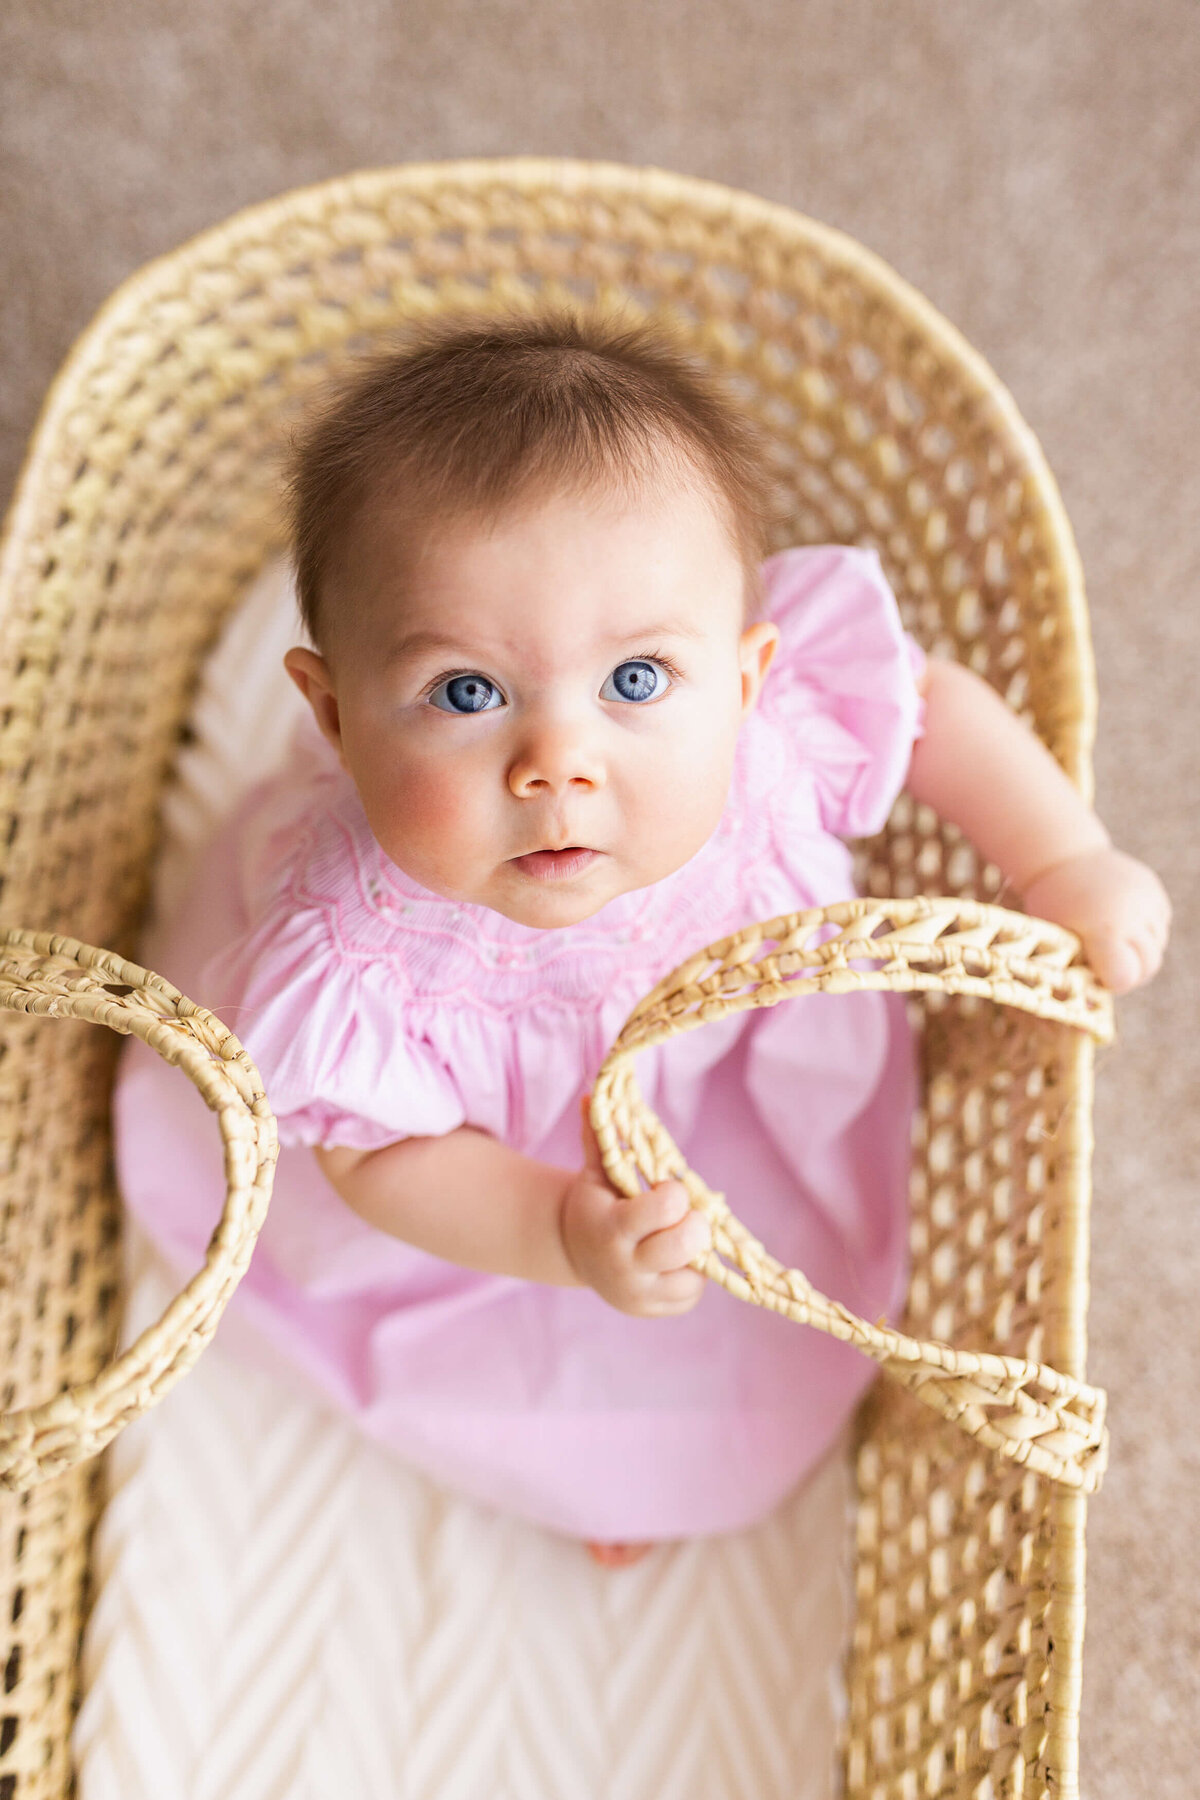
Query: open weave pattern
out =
(147, 505)
(1042, 1419)
(970, 1572)
(60, 978)
(1033, 1414)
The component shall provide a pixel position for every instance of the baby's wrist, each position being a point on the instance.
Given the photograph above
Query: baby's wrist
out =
(574, 1277)
(1089, 843)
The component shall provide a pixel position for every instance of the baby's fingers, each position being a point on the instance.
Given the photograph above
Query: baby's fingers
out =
(1150, 945)
(1158, 924)
(1116, 963)
(674, 1247)
(1123, 963)
(660, 1206)
(674, 1293)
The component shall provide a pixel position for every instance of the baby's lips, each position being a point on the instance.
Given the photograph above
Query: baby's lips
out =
(571, 860)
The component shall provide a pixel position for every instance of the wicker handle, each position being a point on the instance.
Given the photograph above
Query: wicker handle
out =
(1040, 1418)
(41, 973)
(956, 947)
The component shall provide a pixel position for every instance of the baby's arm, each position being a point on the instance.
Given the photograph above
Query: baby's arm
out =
(476, 1202)
(984, 770)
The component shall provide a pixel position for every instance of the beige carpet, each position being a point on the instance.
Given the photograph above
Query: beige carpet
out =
(1034, 167)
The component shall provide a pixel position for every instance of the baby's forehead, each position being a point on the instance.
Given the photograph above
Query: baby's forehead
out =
(535, 649)
(575, 569)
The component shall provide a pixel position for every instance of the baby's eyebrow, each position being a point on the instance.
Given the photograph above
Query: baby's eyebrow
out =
(664, 628)
(420, 642)
(416, 643)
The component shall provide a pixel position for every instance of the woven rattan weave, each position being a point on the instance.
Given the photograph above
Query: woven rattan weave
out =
(146, 507)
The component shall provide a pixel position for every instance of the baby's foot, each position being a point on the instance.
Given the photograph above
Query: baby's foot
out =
(619, 1556)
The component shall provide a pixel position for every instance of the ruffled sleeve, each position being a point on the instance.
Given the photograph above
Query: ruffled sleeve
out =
(329, 1035)
(843, 686)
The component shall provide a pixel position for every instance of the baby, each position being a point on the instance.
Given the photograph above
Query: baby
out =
(567, 726)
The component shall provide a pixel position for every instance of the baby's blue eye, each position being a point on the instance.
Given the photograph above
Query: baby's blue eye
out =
(636, 681)
(466, 694)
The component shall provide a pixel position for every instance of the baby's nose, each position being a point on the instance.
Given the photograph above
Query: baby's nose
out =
(554, 761)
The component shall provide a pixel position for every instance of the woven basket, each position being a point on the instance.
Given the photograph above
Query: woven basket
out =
(146, 508)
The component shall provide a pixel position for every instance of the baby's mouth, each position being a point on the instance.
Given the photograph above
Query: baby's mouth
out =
(556, 865)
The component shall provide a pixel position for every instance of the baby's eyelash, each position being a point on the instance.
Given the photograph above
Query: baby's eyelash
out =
(449, 675)
(658, 657)
(655, 656)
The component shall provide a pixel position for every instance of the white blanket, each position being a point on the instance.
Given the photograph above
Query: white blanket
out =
(286, 1612)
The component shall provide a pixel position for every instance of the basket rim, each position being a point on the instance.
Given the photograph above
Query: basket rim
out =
(704, 197)
(714, 202)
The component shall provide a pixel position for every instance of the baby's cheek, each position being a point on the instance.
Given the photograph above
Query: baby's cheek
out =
(692, 785)
(430, 804)
(428, 819)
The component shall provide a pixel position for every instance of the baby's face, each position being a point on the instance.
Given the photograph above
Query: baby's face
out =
(540, 712)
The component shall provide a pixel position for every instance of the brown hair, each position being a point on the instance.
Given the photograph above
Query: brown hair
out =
(467, 416)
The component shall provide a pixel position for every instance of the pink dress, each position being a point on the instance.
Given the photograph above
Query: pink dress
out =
(377, 1010)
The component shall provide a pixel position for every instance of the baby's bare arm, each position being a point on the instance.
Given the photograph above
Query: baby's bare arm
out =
(984, 770)
(465, 1197)
(476, 1202)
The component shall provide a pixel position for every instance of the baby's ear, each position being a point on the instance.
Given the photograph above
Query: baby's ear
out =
(756, 652)
(311, 674)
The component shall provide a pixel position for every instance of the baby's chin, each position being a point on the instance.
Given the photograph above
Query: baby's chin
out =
(548, 901)
(550, 914)
(553, 904)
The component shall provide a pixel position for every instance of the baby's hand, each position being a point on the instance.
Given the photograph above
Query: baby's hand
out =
(635, 1253)
(1116, 905)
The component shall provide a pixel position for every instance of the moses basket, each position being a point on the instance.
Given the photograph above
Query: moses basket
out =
(147, 506)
